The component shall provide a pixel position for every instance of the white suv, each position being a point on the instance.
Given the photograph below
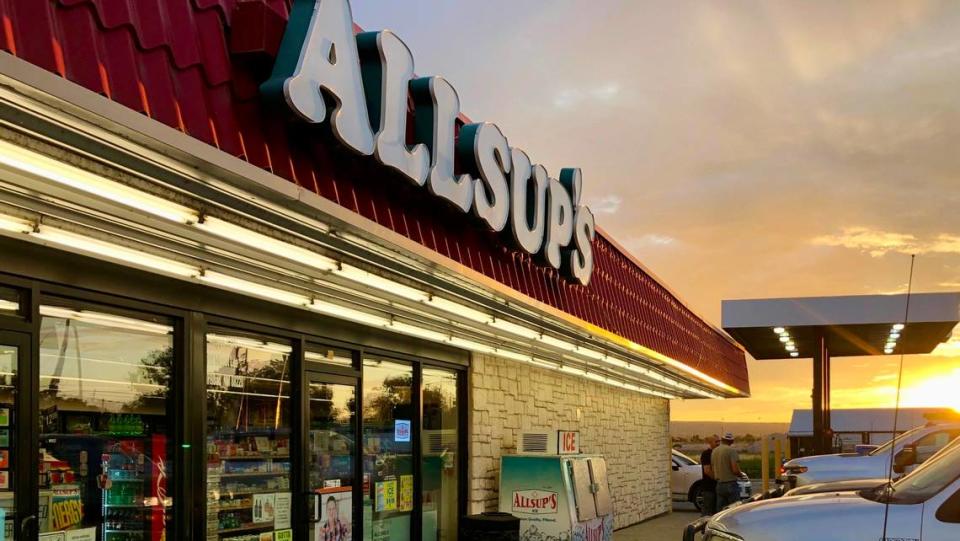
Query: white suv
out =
(922, 506)
(924, 441)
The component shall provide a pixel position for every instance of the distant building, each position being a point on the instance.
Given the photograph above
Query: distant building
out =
(852, 427)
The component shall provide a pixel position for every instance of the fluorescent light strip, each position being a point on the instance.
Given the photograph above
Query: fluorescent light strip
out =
(345, 312)
(591, 353)
(369, 279)
(513, 328)
(545, 364)
(460, 310)
(105, 320)
(420, 332)
(110, 250)
(227, 230)
(557, 343)
(15, 225)
(255, 289)
(507, 354)
(573, 370)
(34, 163)
(9, 306)
(471, 345)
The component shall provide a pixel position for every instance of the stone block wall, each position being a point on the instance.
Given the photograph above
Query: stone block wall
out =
(630, 429)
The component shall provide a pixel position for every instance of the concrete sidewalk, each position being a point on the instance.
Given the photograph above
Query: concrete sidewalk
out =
(666, 528)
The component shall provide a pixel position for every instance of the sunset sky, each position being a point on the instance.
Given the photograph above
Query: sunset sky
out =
(739, 149)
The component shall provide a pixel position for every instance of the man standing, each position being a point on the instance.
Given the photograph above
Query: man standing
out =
(708, 485)
(725, 464)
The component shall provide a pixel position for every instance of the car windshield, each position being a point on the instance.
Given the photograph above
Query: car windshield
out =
(886, 446)
(929, 479)
(683, 459)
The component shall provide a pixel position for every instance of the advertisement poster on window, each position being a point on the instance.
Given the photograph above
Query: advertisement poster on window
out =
(406, 493)
(386, 495)
(264, 506)
(66, 508)
(282, 510)
(336, 515)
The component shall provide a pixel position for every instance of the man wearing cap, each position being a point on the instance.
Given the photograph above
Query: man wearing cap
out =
(725, 464)
(708, 484)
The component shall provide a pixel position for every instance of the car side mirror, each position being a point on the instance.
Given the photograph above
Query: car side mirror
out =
(906, 457)
(676, 468)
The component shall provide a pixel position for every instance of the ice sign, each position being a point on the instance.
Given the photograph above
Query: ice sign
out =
(401, 431)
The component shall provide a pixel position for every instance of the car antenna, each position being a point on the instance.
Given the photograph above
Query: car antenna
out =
(896, 406)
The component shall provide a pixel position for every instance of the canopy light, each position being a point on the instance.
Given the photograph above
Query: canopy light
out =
(266, 243)
(779, 330)
(114, 251)
(794, 354)
(35, 164)
(898, 326)
(15, 225)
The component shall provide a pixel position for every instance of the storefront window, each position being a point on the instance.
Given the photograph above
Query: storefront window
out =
(105, 457)
(441, 460)
(9, 302)
(8, 382)
(332, 441)
(248, 439)
(387, 450)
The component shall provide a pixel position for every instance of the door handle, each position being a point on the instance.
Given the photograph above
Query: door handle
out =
(24, 534)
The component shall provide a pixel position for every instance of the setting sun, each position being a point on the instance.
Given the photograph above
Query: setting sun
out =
(936, 391)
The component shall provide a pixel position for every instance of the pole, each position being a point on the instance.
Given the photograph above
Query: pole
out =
(777, 454)
(765, 462)
(821, 398)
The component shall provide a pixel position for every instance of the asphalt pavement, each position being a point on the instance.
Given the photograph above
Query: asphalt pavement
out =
(666, 528)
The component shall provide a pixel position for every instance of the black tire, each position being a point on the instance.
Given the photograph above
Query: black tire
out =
(696, 496)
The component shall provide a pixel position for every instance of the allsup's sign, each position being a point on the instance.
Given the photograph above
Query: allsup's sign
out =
(537, 502)
(357, 87)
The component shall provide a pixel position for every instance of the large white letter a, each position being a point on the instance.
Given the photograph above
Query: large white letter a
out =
(318, 68)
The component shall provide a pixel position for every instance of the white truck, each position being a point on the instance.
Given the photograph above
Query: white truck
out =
(921, 506)
(924, 441)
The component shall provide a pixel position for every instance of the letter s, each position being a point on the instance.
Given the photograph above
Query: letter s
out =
(485, 152)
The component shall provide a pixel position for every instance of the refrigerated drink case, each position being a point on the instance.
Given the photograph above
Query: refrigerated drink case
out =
(557, 498)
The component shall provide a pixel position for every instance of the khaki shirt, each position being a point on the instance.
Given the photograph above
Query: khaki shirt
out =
(722, 460)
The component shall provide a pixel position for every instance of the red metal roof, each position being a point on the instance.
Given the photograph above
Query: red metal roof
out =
(178, 62)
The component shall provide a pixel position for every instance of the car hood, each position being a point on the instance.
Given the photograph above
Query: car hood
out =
(845, 462)
(804, 517)
(850, 485)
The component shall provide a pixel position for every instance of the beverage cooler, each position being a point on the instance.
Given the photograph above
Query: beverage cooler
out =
(557, 497)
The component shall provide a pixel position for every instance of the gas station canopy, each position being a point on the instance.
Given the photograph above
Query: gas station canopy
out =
(852, 325)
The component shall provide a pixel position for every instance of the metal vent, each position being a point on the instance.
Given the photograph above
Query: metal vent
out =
(535, 442)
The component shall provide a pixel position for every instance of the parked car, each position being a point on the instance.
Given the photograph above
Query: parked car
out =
(922, 506)
(853, 485)
(924, 441)
(687, 478)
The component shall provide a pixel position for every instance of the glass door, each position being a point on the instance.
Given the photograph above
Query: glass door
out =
(331, 456)
(13, 347)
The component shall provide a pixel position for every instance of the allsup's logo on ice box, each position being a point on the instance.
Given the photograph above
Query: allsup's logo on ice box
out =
(537, 502)
(357, 87)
